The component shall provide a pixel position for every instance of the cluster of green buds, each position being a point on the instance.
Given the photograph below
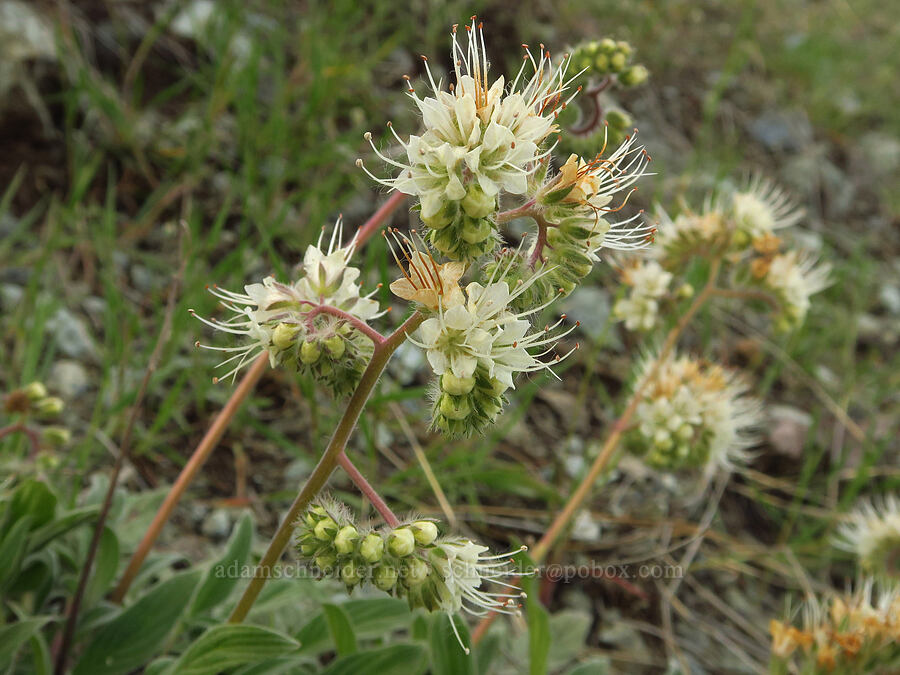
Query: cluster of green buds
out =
(390, 559)
(408, 561)
(464, 406)
(33, 403)
(465, 229)
(607, 58)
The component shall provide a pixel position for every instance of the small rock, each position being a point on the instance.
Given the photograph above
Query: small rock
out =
(585, 528)
(788, 429)
(785, 130)
(72, 335)
(69, 378)
(10, 296)
(408, 361)
(590, 306)
(217, 524)
(890, 298)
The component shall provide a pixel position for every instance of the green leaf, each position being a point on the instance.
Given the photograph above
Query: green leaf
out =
(106, 564)
(33, 498)
(369, 617)
(224, 574)
(43, 664)
(42, 536)
(12, 550)
(394, 660)
(538, 629)
(340, 628)
(227, 646)
(13, 636)
(448, 656)
(132, 638)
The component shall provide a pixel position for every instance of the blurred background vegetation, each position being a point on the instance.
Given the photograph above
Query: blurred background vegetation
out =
(120, 119)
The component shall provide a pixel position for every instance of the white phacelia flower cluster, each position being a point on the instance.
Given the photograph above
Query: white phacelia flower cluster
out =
(852, 633)
(793, 278)
(409, 561)
(480, 138)
(476, 344)
(647, 282)
(692, 415)
(872, 533)
(311, 325)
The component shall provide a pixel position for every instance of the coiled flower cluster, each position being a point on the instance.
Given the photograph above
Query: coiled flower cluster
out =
(692, 415)
(647, 282)
(409, 561)
(311, 325)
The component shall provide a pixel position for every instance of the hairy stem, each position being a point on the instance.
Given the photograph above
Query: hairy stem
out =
(326, 465)
(358, 324)
(368, 491)
(564, 517)
(525, 210)
(215, 432)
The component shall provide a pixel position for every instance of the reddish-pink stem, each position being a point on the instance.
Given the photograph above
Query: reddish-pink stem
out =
(33, 438)
(368, 491)
(358, 324)
(365, 232)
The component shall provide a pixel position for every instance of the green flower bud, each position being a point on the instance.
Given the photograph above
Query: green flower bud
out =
(477, 204)
(417, 572)
(619, 119)
(310, 352)
(476, 231)
(385, 577)
(425, 532)
(335, 346)
(633, 76)
(607, 45)
(51, 405)
(284, 334)
(458, 386)
(617, 61)
(56, 435)
(601, 63)
(326, 561)
(686, 291)
(624, 47)
(351, 574)
(345, 539)
(686, 432)
(372, 548)
(308, 549)
(325, 529)
(35, 391)
(454, 408)
(402, 542)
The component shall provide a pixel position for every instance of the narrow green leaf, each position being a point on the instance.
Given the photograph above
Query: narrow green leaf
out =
(106, 565)
(230, 645)
(12, 550)
(538, 629)
(43, 664)
(42, 536)
(369, 617)
(394, 660)
(133, 638)
(225, 572)
(34, 498)
(340, 628)
(448, 656)
(486, 651)
(16, 634)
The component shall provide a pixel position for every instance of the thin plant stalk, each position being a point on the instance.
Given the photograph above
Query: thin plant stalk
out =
(367, 490)
(214, 433)
(564, 517)
(327, 463)
(68, 633)
(204, 449)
